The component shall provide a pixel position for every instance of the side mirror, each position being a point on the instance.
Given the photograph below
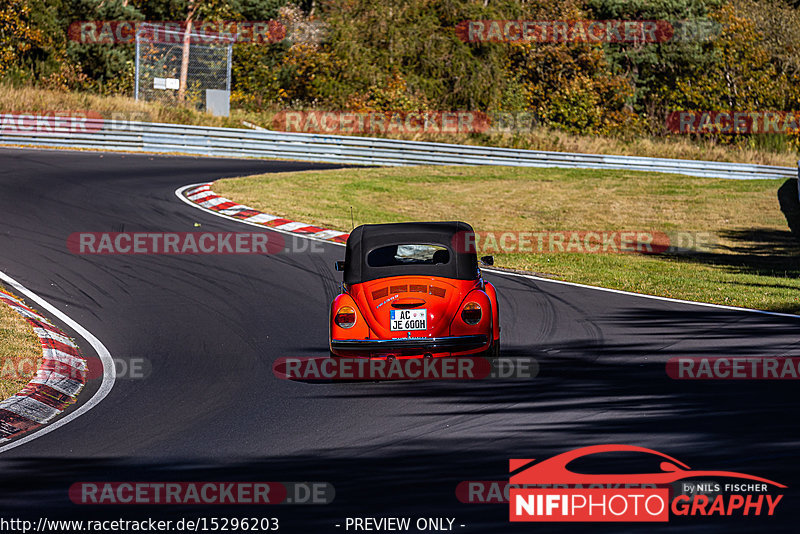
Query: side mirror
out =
(487, 260)
(339, 266)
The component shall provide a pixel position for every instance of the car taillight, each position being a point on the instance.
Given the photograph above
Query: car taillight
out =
(471, 314)
(345, 317)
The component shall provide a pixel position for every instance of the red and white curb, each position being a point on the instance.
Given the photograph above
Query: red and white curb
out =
(35, 411)
(59, 379)
(204, 197)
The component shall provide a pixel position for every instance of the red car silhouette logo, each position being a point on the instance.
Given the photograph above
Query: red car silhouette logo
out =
(555, 471)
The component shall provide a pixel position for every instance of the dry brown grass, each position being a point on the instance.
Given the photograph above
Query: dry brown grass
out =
(34, 100)
(678, 147)
(20, 351)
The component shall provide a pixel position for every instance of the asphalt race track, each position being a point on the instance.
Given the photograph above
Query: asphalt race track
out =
(210, 408)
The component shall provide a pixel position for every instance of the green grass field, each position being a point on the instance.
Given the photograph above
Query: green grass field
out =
(751, 259)
(20, 351)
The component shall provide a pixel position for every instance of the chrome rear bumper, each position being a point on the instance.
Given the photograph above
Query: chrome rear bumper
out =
(412, 345)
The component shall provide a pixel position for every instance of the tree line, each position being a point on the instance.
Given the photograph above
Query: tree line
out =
(408, 55)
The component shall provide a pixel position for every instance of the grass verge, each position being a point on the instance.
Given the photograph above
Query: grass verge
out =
(749, 259)
(20, 351)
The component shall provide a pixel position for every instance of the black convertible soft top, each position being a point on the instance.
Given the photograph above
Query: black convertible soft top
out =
(369, 238)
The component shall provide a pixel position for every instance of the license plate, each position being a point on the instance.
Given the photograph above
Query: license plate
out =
(408, 319)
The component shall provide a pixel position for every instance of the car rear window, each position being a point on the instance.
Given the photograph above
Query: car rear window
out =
(408, 254)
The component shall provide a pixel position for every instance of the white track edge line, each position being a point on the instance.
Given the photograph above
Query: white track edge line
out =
(180, 190)
(642, 295)
(109, 371)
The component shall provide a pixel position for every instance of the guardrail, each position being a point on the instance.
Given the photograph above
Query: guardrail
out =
(71, 132)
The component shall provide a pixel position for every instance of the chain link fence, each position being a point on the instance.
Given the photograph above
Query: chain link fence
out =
(175, 73)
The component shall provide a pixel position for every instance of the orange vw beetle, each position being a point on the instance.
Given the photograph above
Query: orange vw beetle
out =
(413, 289)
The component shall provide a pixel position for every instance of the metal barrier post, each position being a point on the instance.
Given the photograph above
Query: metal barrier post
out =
(136, 76)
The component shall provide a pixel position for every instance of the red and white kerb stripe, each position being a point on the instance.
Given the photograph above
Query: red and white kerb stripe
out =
(205, 197)
(59, 379)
